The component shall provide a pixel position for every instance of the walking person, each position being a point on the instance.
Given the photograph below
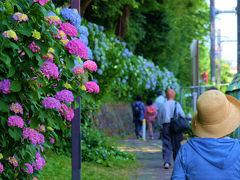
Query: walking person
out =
(150, 115)
(159, 102)
(138, 115)
(171, 142)
(212, 154)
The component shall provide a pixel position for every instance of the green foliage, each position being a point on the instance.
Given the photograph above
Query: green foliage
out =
(96, 149)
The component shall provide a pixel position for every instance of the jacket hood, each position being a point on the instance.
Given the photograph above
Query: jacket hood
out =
(221, 153)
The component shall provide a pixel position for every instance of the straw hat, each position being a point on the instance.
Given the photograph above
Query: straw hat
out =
(217, 115)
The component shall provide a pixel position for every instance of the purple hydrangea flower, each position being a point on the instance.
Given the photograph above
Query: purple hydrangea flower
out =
(65, 95)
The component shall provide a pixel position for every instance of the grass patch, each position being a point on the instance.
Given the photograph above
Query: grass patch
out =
(120, 170)
(59, 167)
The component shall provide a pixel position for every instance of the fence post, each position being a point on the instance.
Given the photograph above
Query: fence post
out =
(76, 143)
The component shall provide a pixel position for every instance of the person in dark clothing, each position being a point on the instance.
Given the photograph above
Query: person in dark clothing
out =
(138, 115)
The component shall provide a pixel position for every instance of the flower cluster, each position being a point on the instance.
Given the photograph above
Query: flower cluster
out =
(83, 30)
(20, 17)
(16, 107)
(34, 136)
(42, 2)
(92, 87)
(1, 167)
(54, 20)
(67, 113)
(13, 161)
(60, 35)
(15, 121)
(71, 15)
(29, 168)
(50, 69)
(52, 141)
(78, 70)
(76, 46)
(51, 103)
(91, 65)
(36, 34)
(84, 39)
(49, 56)
(68, 29)
(10, 34)
(40, 162)
(65, 95)
(33, 47)
(41, 128)
(5, 86)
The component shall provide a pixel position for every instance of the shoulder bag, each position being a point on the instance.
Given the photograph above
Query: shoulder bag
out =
(178, 123)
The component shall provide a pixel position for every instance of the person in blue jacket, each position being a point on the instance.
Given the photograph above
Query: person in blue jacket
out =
(138, 108)
(212, 155)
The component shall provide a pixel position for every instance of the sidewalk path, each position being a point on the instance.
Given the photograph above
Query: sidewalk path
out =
(149, 155)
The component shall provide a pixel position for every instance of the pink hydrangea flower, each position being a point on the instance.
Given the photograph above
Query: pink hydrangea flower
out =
(48, 57)
(15, 121)
(41, 148)
(54, 20)
(16, 107)
(51, 103)
(69, 29)
(52, 141)
(92, 87)
(29, 168)
(40, 162)
(78, 70)
(34, 47)
(41, 128)
(60, 35)
(1, 168)
(5, 86)
(21, 52)
(67, 113)
(13, 161)
(34, 136)
(20, 17)
(10, 34)
(76, 46)
(91, 65)
(50, 69)
(65, 95)
(42, 2)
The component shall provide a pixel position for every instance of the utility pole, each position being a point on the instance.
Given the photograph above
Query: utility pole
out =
(76, 126)
(238, 36)
(212, 38)
(219, 56)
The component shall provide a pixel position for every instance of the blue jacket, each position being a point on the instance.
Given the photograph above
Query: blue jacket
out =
(141, 104)
(208, 159)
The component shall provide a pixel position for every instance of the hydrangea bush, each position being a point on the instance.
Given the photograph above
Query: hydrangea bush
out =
(121, 73)
(44, 65)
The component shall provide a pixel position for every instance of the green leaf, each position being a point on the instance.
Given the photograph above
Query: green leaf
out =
(13, 45)
(40, 60)
(6, 59)
(11, 72)
(3, 106)
(28, 51)
(9, 8)
(69, 63)
(75, 105)
(15, 86)
(25, 29)
(14, 133)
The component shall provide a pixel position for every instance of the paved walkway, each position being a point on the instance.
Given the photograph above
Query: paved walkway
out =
(149, 155)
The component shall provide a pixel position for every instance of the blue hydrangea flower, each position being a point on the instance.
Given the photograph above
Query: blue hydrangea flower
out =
(72, 16)
(100, 71)
(124, 81)
(83, 30)
(50, 13)
(78, 62)
(101, 28)
(89, 52)
(84, 39)
(123, 43)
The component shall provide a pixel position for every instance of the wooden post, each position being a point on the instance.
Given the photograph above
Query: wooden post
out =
(212, 37)
(238, 36)
(76, 126)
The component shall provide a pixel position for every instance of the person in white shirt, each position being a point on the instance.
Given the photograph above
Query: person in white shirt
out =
(170, 140)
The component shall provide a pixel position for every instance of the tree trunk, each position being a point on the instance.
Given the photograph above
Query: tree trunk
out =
(121, 28)
(84, 5)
